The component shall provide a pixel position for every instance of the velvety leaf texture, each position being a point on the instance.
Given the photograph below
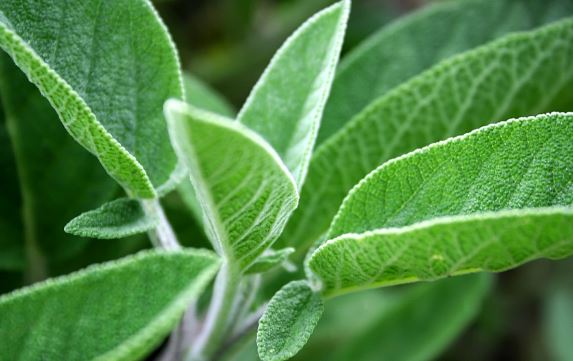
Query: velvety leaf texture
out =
(115, 311)
(58, 178)
(286, 105)
(414, 43)
(269, 260)
(95, 62)
(476, 202)
(245, 191)
(120, 218)
(422, 324)
(519, 75)
(288, 322)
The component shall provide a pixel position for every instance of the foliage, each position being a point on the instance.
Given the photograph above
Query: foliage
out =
(444, 147)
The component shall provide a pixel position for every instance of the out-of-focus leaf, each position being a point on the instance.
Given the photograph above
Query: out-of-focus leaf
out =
(558, 312)
(269, 260)
(202, 96)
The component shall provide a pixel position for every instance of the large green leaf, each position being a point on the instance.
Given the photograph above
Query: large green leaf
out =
(489, 200)
(421, 324)
(288, 322)
(245, 191)
(286, 104)
(106, 67)
(58, 179)
(521, 74)
(414, 43)
(115, 311)
(11, 236)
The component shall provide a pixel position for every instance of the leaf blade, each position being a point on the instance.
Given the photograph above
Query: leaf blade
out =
(303, 66)
(177, 277)
(288, 322)
(245, 190)
(508, 176)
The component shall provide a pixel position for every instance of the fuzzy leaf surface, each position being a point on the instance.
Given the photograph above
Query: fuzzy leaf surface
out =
(119, 218)
(288, 322)
(286, 104)
(245, 191)
(486, 201)
(120, 310)
(106, 67)
(414, 43)
(518, 75)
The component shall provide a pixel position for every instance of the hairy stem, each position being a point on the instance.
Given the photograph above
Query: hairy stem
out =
(220, 311)
(161, 236)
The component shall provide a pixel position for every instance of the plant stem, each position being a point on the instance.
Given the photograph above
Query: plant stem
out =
(161, 236)
(220, 310)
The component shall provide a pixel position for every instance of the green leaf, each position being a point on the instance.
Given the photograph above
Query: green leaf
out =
(58, 178)
(201, 95)
(416, 42)
(106, 67)
(473, 203)
(120, 310)
(521, 74)
(286, 104)
(269, 260)
(120, 218)
(422, 323)
(11, 237)
(245, 191)
(288, 322)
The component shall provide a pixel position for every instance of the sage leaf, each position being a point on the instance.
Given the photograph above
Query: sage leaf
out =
(518, 75)
(288, 322)
(95, 62)
(12, 257)
(57, 178)
(286, 104)
(245, 191)
(486, 201)
(201, 95)
(269, 260)
(422, 324)
(120, 218)
(120, 310)
(416, 42)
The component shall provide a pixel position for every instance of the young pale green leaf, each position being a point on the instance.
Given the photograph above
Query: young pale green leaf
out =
(489, 200)
(115, 311)
(11, 239)
(416, 42)
(202, 96)
(245, 191)
(106, 68)
(288, 322)
(421, 324)
(521, 74)
(269, 260)
(58, 178)
(120, 218)
(286, 104)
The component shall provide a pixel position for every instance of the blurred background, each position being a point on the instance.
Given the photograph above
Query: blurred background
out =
(527, 313)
